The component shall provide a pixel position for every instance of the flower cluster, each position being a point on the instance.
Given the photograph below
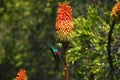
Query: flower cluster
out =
(21, 75)
(116, 11)
(64, 24)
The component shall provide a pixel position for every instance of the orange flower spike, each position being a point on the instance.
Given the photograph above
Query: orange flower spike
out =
(64, 23)
(116, 11)
(21, 75)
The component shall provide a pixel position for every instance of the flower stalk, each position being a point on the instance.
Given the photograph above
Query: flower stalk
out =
(65, 47)
(110, 59)
(116, 16)
(64, 30)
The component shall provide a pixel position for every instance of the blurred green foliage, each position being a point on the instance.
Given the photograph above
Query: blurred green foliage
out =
(88, 50)
(27, 28)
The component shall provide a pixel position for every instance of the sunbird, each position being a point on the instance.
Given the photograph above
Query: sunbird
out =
(57, 56)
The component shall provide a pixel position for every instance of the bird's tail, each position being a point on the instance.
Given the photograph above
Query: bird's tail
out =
(57, 66)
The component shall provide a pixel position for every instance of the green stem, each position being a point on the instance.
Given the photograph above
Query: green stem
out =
(110, 59)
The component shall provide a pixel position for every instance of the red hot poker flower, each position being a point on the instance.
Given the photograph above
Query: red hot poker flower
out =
(21, 75)
(116, 11)
(64, 24)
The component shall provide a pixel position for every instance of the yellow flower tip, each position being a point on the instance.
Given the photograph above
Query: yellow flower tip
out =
(116, 11)
(64, 23)
(21, 75)
(65, 36)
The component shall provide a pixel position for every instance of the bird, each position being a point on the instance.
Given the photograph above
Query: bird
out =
(57, 55)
